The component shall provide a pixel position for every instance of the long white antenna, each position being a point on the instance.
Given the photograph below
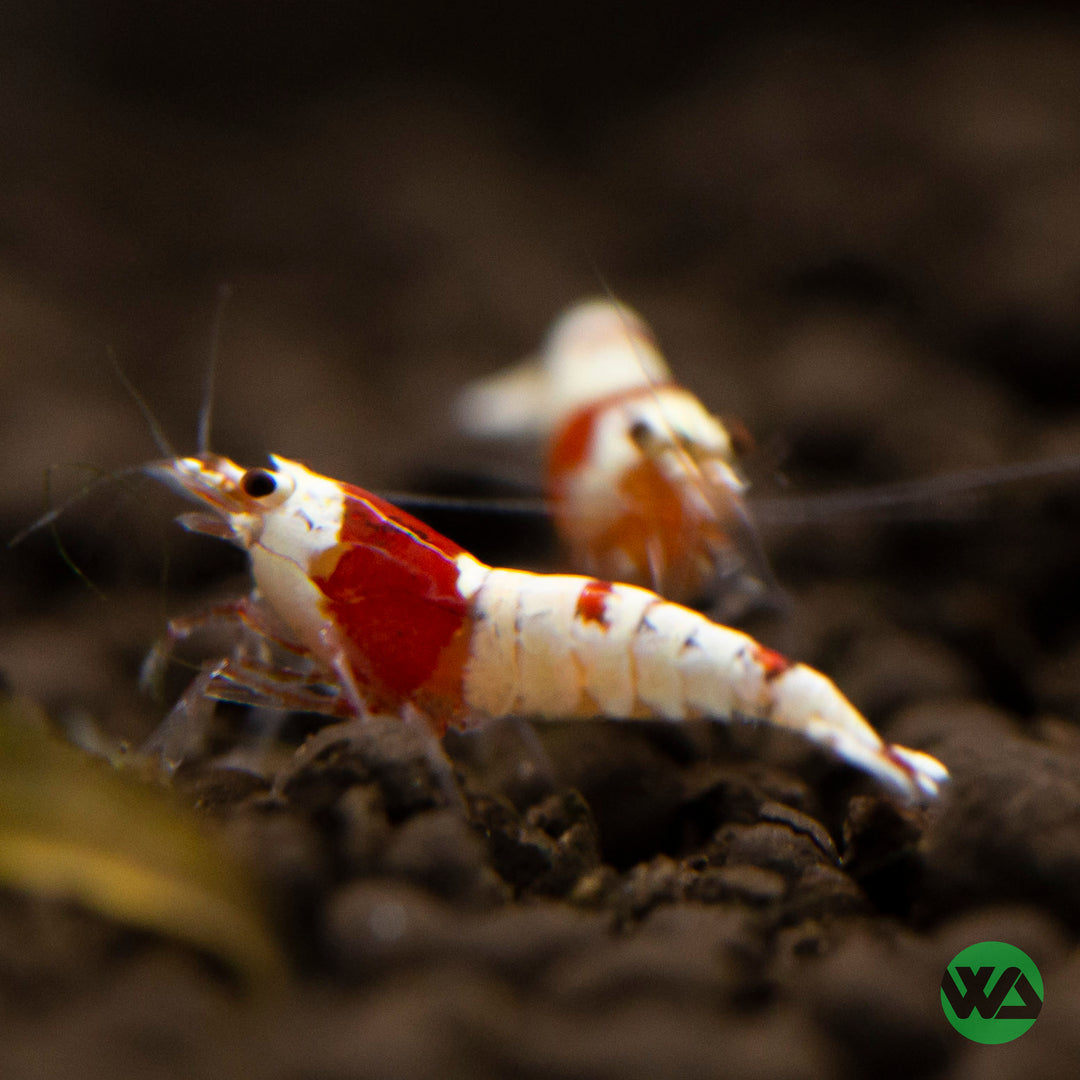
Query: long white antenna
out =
(826, 506)
(86, 490)
(157, 432)
(206, 405)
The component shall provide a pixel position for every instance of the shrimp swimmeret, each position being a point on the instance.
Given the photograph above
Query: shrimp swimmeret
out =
(392, 616)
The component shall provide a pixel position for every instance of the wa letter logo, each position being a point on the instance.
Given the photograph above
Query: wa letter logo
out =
(991, 992)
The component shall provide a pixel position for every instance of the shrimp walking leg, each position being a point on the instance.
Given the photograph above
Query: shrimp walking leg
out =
(270, 686)
(244, 612)
(181, 736)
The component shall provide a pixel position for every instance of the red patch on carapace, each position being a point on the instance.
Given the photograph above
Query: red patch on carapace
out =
(391, 591)
(362, 509)
(774, 663)
(591, 603)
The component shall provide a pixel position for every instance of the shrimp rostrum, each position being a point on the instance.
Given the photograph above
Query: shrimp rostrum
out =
(390, 616)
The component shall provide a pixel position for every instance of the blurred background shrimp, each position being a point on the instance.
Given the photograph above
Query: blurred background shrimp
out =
(644, 482)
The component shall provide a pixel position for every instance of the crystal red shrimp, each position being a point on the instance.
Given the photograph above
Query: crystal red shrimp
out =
(643, 480)
(394, 617)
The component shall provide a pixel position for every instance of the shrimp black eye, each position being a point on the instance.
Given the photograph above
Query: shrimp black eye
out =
(258, 483)
(646, 438)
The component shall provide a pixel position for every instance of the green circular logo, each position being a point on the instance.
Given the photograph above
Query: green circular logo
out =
(991, 992)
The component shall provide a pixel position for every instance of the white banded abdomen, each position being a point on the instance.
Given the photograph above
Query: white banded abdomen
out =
(535, 653)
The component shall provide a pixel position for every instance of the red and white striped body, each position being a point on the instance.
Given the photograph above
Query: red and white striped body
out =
(394, 615)
(642, 477)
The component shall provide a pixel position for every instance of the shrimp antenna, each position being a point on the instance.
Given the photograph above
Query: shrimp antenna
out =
(686, 459)
(50, 516)
(157, 432)
(934, 490)
(527, 507)
(206, 405)
(69, 562)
